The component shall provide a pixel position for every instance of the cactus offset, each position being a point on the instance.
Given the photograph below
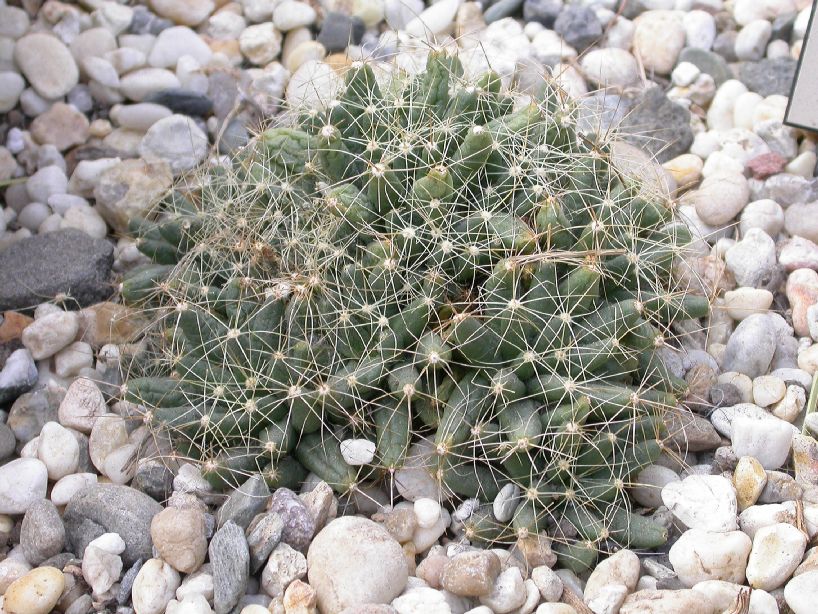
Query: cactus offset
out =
(428, 264)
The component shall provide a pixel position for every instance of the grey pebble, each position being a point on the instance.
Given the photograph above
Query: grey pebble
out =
(751, 347)
(263, 535)
(244, 503)
(340, 30)
(542, 11)
(81, 605)
(658, 125)
(230, 560)
(768, 76)
(724, 395)
(500, 9)
(578, 26)
(67, 261)
(42, 534)
(31, 411)
(708, 62)
(154, 479)
(7, 441)
(123, 596)
(109, 508)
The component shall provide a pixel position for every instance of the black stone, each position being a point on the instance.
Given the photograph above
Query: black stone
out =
(182, 101)
(658, 125)
(69, 262)
(578, 26)
(768, 77)
(340, 30)
(542, 11)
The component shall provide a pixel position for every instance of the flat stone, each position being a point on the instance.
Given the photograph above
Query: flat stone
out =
(66, 262)
(109, 508)
(263, 536)
(185, 102)
(230, 561)
(244, 503)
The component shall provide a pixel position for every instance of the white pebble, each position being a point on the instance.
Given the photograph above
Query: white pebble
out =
(777, 551)
(48, 335)
(706, 502)
(58, 450)
(67, 487)
(82, 405)
(72, 358)
(427, 512)
(752, 40)
(357, 452)
(22, 482)
(699, 555)
(801, 593)
(769, 441)
(154, 586)
(101, 564)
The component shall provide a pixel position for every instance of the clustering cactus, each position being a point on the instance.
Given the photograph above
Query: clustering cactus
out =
(427, 259)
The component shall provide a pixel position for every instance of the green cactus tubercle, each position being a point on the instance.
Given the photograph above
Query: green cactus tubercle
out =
(429, 264)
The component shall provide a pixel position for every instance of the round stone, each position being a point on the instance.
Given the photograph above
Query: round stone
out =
(47, 64)
(702, 555)
(176, 140)
(777, 551)
(184, 12)
(22, 482)
(179, 536)
(706, 502)
(37, 592)
(354, 561)
(11, 86)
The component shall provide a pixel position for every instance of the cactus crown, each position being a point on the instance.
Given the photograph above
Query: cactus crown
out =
(438, 267)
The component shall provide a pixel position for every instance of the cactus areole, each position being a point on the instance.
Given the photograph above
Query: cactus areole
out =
(434, 265)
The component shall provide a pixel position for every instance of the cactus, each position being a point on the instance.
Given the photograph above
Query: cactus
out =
(428, 259)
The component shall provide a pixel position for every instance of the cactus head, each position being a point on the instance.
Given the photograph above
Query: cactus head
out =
(429, 263)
